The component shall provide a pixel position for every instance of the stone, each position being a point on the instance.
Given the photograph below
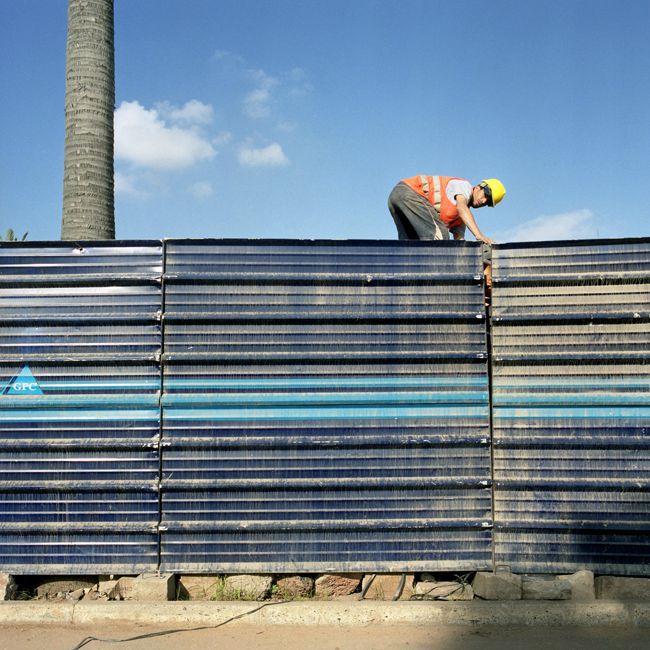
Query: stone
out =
(53, 586)
(106, 586)
(466, 593)
(582, 586)
(123, 589)
(154, 587)
(432, 590)
(617, 588)
(544, 589)
(8, 587)
(385, 587)
(77, 594)
(198, 587)
(249, 587)
(497, 586)
(93, 594)
(332, 585)
(294, 587)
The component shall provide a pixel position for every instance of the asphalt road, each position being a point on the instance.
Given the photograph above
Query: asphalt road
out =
(373, 637)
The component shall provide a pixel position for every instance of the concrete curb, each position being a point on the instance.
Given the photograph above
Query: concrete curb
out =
(194, 614)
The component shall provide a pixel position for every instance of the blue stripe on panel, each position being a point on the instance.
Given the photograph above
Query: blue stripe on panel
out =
(589, 413)
(324, 382)
(324, 413)
(326, 399)
(77, 415)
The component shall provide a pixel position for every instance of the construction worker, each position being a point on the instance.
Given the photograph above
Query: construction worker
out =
(431, 207)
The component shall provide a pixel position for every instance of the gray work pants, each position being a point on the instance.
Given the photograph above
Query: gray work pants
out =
(414, 216)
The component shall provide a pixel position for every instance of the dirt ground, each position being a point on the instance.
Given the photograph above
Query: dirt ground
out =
(376, 637)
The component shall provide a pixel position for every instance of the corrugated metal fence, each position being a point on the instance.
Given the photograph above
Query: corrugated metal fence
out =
(79, 407)
(571, 397)
(325, 406)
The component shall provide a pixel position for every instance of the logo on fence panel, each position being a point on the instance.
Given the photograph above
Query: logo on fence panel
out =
(24, 383)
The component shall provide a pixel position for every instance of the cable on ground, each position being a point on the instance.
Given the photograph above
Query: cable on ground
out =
(150, 635)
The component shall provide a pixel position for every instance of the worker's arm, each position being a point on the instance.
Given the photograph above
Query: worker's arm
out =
(468, 219)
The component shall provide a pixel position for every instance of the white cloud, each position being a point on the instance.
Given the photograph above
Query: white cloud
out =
(262, 79)
(271, 156)
(578, 224)
(286, 127)
(192, 112)
(201, 189)
(269, 93)
(127, 185)
(144, 139)
(257, 103)
(228, 58)
(223, 137)
(297, 82)
(297, 74)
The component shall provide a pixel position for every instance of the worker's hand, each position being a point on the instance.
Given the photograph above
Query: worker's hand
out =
(485, 239)
(468, 219)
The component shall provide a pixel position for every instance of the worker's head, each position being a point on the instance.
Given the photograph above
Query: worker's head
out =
(488, 192)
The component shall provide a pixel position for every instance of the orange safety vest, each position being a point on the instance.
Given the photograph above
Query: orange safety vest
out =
(434, 190)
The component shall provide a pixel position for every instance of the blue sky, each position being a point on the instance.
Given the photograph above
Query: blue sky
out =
(295, 118)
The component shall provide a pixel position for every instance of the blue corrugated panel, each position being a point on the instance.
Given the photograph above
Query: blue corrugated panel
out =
(80, 341)
(72, 264)
(325, 407)
(571, 398)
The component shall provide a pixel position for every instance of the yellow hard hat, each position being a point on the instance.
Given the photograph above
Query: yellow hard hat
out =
(494, 190)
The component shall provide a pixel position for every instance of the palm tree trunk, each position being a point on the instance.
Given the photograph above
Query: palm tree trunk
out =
(88, 192)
